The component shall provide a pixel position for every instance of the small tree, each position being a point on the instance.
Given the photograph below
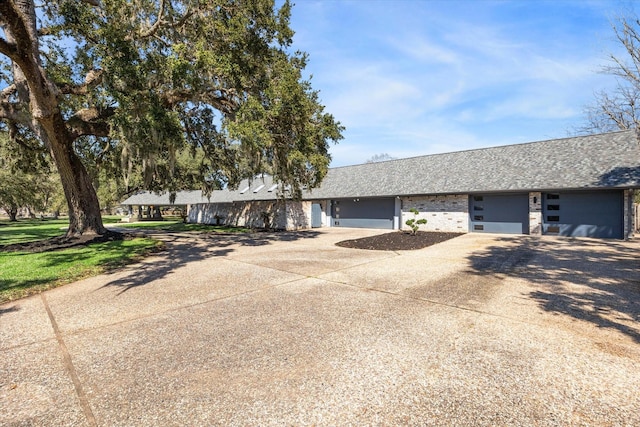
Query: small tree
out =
(19, 190)
(415, 223)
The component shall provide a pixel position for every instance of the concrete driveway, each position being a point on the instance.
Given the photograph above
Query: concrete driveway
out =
(288, 329)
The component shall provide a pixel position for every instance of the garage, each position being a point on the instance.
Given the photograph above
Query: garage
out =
(584, 214)
(363, 213)
(499, 213)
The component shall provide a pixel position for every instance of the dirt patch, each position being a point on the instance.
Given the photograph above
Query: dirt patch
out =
(398, 241)
(62, 242)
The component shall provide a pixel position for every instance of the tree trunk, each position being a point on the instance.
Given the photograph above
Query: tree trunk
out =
(84, 207)
(36, 90)
(13, 213)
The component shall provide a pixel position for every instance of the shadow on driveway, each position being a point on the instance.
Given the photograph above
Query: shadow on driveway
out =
(183, 248)
(594, 281)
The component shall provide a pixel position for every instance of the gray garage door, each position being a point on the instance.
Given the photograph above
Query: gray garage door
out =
(583, 214)
(363, 213)
(499, 213)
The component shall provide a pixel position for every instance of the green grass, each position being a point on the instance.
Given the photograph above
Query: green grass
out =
(178, 225)
(24, 274)
(30, 230)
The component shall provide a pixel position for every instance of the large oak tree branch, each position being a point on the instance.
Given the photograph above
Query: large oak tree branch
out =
(152, 30)
(7, 48)
(14, 135)
(90, 121)
(14, 112)
(224, 101)
(160, 22)
(91, 80)
(7, 92)
(25, 55)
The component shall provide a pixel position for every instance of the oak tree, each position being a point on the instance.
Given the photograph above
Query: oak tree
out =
(131, 85)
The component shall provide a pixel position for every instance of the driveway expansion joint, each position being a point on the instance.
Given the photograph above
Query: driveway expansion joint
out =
(68, 364)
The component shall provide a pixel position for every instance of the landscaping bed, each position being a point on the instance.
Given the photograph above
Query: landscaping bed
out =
(399, 241)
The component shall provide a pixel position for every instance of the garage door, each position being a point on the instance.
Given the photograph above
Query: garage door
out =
(499, 213)
(363, 213)
(583, 214)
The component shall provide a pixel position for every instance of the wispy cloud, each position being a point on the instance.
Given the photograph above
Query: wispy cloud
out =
(413, 77)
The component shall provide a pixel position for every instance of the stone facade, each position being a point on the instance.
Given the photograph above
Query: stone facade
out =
(535, 213)
(629, 212)
(282, 215)
(448, 213)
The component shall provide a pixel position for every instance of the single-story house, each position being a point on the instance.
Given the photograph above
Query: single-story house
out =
(147, 205)
(579, 186)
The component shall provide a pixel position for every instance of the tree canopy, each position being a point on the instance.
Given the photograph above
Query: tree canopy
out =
(619, 109)
(134, 86)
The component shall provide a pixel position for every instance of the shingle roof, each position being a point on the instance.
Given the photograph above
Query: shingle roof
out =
(610, 160)
(595, 161)
(147, 198)
(259, 188)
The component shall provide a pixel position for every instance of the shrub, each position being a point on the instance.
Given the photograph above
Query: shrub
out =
(414, 223)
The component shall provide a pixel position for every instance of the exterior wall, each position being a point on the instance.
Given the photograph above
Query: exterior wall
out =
(397, 214)
(298, 215)
(448, 213)
(238, 214)
(326, 213)
(289, 215)
(629, 213)
(535, 213)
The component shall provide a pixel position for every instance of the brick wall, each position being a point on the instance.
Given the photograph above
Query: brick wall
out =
(443, 213)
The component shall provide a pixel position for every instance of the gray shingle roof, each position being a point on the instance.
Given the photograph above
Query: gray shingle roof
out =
(595, 161)
(610, 160)
(256, 189)
(148, 198)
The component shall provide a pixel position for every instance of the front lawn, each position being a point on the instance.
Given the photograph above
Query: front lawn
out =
(31, 230)
(178, 226)
(24, 273)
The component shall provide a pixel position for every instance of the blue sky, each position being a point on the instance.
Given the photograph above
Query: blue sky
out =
(415, 77)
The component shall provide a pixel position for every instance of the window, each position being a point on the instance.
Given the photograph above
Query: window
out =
(553, 207)
(478, 218)
(553, 218)
(478, 208)
(478, 198)
(478, 227)
(553, 196)
(553, 229)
